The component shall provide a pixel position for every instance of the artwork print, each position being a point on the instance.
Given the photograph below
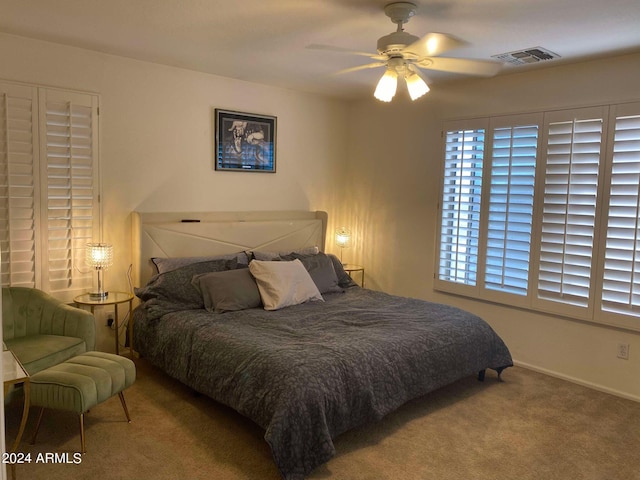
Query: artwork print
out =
(245, 142)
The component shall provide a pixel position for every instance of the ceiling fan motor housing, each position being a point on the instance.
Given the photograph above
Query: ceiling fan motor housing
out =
(399, 13)
(395, 42)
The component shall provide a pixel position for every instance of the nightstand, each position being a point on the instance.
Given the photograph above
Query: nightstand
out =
(350, 268)
(113, 298)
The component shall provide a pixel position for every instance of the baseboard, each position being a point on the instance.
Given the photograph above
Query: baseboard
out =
(578, 381)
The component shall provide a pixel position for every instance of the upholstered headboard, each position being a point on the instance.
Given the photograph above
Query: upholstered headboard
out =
(190, 234)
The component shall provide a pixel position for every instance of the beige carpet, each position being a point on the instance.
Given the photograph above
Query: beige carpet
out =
(529, 427)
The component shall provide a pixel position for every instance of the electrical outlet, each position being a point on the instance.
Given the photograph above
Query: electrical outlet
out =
(623, 351)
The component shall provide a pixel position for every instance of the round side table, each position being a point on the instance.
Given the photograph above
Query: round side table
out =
(113, 298)
(351, 268)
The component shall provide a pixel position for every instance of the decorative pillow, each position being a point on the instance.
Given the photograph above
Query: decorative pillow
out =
(258, 255)
(321, 269)
(228, 291)
(171, 263)
(282, 284)
(175, 288)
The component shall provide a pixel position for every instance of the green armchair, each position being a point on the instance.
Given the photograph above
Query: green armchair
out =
(43, 331)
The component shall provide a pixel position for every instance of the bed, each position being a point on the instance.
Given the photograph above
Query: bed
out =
(305, 369)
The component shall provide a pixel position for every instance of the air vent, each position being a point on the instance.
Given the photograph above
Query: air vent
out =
(529, 55)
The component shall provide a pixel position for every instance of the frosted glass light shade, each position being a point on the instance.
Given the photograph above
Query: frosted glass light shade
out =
(417, 86)
(387, 86)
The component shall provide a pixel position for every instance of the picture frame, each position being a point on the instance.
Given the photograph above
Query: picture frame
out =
(244, 142)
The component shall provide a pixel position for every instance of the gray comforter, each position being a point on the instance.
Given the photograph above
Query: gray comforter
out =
(310, 372)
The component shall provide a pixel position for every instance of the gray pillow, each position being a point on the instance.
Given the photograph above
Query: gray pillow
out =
(321, 269)
(228, 291)
(166, 264)
(173, 291)
(268, 256)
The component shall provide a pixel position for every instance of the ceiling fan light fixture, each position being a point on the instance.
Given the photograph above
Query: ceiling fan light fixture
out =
(416, 85)
(387, 86)
(403, 55)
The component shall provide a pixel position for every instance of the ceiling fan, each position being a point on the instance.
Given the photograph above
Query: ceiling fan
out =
(403, 55)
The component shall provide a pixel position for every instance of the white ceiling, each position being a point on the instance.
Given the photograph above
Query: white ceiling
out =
(265, 41)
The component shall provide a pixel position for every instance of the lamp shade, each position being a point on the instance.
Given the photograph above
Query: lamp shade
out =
(387, 86)
(343, 237)
(417, 86)
(99, 255)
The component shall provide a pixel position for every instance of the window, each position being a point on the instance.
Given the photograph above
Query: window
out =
(48, 187)
(551, 220)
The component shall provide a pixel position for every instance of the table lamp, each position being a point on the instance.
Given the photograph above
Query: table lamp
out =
(99, 257)
(343, 240)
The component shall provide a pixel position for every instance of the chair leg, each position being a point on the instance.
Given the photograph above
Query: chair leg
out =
(124, 405)
(35, 433)
(82, 444)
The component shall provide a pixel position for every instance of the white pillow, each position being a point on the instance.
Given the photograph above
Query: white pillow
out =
(282, 284)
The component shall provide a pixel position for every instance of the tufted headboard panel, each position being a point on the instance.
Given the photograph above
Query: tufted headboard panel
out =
(191, 234)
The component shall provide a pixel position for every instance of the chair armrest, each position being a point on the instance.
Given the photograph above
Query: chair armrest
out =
(74, 322)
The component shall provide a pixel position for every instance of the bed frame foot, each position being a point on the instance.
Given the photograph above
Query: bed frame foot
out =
(500, 370)
(481, 375)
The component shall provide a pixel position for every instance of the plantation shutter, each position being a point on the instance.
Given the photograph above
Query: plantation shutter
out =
(48, 187)
(572, 165)
(621, 283)
(513, 166)
(18, 191)
(460, 207)
(69, 220)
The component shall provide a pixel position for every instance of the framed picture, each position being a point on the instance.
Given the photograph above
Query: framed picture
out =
(245, 142)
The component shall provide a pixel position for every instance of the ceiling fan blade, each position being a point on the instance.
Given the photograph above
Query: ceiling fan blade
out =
(481, 68)
(331, 48)
(433, 44)
(360, 67)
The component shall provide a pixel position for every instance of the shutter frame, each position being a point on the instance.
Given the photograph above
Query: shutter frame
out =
(70, 189)
(19, 200)
(619, 292)
(457, 261)
(571, 188)
(514, 145)
(24, 199)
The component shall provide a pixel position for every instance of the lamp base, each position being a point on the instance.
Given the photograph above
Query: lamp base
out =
(98, 295)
